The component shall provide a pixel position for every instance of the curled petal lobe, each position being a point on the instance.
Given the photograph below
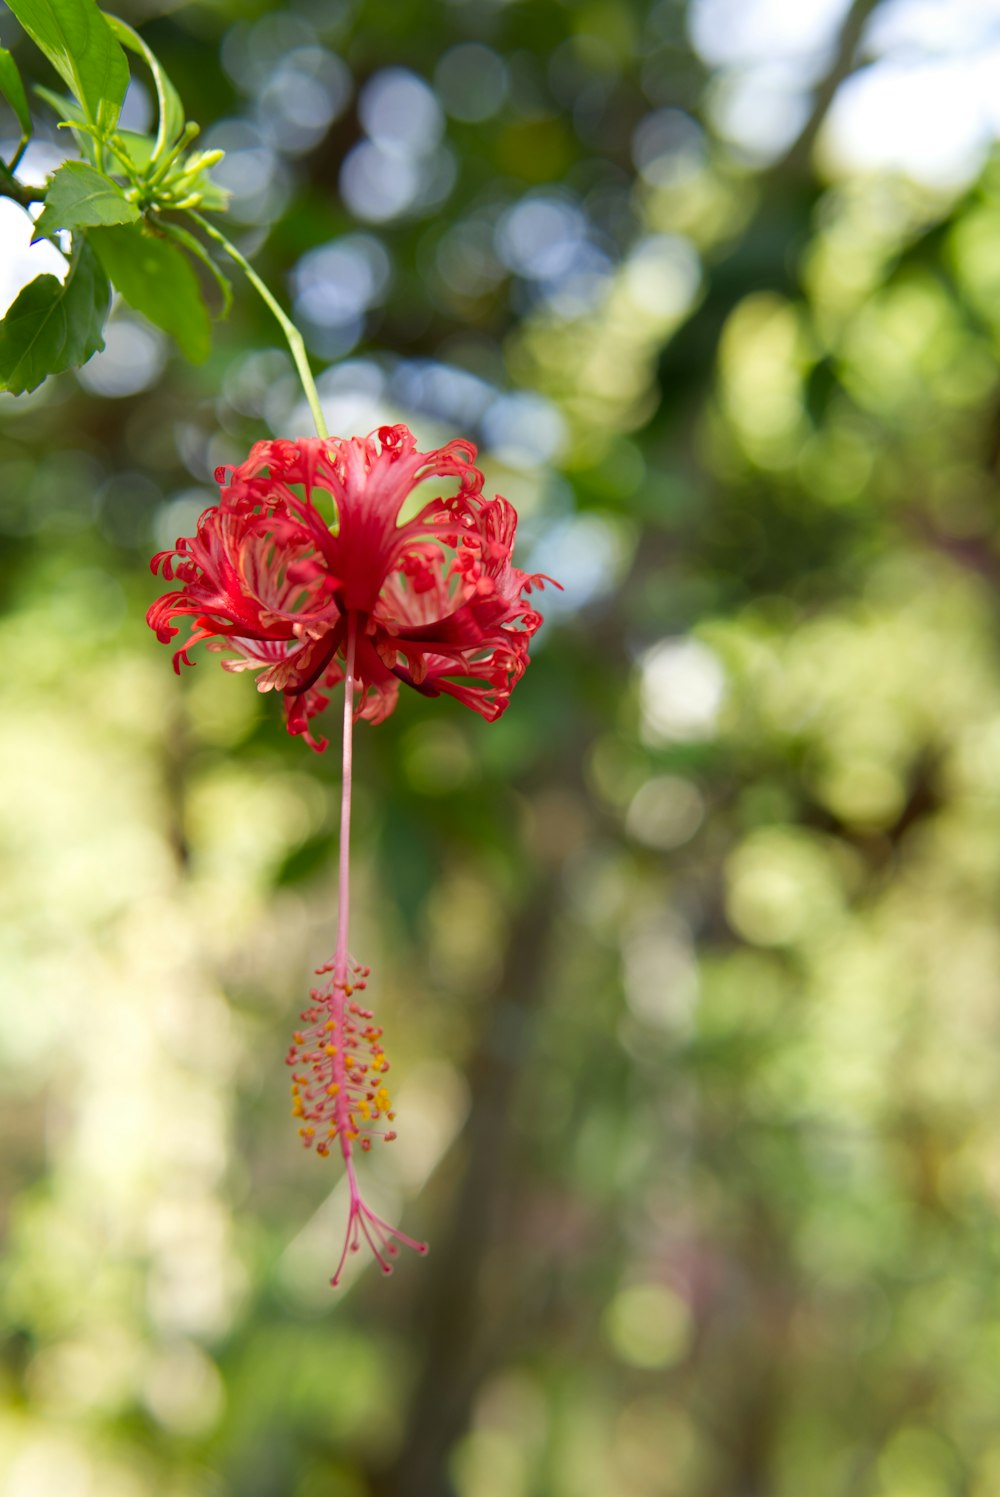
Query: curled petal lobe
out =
(309, 534)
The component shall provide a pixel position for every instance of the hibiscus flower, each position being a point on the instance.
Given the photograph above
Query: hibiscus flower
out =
(308, 547)
(310, 572)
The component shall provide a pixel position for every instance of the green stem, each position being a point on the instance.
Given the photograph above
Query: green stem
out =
(189, 134)
(10, 187)
(124, 160)
(22, 146)
(292, 335)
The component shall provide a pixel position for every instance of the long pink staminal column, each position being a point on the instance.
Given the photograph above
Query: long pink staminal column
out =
(344, 889)
(338, 1092)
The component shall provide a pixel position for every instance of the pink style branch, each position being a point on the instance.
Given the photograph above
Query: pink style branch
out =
(306, 574)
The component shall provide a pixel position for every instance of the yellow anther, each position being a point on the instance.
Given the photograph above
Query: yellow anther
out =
(331, 1050)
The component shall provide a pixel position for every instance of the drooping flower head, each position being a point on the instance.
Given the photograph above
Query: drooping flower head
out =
(363, 561)
(310, 533)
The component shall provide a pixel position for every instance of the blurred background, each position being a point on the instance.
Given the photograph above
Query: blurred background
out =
(690, 966)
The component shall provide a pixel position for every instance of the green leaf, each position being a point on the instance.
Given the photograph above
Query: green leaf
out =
(155, 278)
(171, 109)
(13, 90)
(78, 197)
(71, 115)
(79, 43)
(138, 148)
(196, 248)
(54, 325)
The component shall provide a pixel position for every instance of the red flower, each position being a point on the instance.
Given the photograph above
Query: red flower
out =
(307, 573)
(309, 534)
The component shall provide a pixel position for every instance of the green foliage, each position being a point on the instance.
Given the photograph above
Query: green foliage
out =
(171, 110)
(54, 325)
(200, 253)
(156, 279)
(125, 177)
(12, 90)
(80, 197)
(72, 117)
(78, 42)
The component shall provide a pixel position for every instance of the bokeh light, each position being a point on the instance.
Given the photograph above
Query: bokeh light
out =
(688, 965)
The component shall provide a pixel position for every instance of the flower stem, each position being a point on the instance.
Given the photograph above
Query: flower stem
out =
(292, 335)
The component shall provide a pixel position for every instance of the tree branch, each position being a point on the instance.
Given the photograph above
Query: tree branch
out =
(796, 160)
(19, 192)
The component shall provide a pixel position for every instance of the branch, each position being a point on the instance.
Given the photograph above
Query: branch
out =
(756, 258)
(19, 192)
(796, 160)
